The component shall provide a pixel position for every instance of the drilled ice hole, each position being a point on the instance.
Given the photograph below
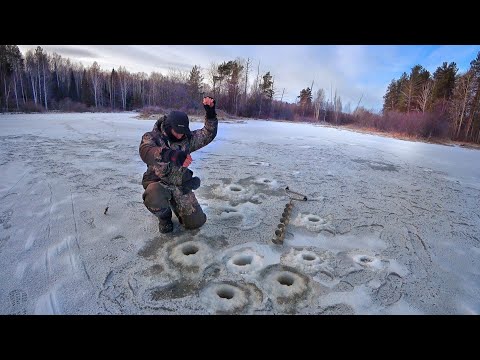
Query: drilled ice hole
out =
(189, 249)
(225, 293)
(243, 260)
(286, 279)
(235, 188)
(313, 218)
(365, 259)
(229, 210)
(308, 257)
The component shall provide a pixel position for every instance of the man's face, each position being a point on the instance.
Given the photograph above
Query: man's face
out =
(177, 135)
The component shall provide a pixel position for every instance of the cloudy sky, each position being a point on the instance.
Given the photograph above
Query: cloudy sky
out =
(352, 70)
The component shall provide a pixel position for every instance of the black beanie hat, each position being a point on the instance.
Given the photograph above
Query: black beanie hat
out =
(178, 121)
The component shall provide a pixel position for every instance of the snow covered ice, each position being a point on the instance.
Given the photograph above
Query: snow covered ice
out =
(391, 226)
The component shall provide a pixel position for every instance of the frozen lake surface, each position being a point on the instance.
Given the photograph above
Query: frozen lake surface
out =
(390, 227)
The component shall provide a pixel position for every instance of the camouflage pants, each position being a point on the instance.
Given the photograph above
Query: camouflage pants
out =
(159, 200)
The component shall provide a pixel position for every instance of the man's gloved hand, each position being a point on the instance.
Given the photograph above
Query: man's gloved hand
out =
(192, 184)
(209, 105)
(176, 156)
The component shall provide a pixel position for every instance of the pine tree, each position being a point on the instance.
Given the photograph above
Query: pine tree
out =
(54, 88)
(72, 90)
(444, 78)
(10, 60)
(473, 121)
(402, 100)
(113, 82)
(86, 95)
(266, 86)
(391, 97)
(194, 84)
(305, 98)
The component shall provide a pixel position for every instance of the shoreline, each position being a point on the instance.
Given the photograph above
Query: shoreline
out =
(234, 119)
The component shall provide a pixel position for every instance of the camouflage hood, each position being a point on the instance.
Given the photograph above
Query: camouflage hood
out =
(162, 127)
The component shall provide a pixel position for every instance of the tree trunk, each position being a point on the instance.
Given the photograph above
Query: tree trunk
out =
(464, 105)
(424, 96)
(45, 87)
(473, 113)
(256, 80)
(15, 89)
(246, 81)
(325, 114)
(5, 93)
(461, 117)
(271, 100)
(39, 84)
(23, 91)
(112, 105)
(236, 102)
(32, 80)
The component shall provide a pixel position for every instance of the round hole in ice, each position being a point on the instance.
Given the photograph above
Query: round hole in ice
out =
(225, 293)
(189, 249)
(313, 219)
(243, 260)
(235, 188)
(308, 257)
(365, 259)
(279, 232)
(286, 279)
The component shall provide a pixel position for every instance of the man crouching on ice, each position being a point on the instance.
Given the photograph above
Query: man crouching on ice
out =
(168, 182)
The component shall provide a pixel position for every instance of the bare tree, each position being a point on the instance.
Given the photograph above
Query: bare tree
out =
(213, 77)
(95, 77)
(460, 99)
(358, 104)
(30, 67)
(319, 102)
(348, 108)
(408, 91)
(425, 95)
(246, 80)
(56, 60)
(337, 106)
(44, 60)
(257, 78)
(38, 60)
(123, 80)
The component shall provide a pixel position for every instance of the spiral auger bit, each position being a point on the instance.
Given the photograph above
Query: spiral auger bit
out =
(285, 219)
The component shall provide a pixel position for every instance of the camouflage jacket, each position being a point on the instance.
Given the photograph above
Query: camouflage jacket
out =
(155, 141)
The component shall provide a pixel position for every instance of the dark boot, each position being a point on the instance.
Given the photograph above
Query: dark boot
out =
(165, 225)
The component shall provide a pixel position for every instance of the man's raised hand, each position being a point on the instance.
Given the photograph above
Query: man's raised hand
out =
(209, 106)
